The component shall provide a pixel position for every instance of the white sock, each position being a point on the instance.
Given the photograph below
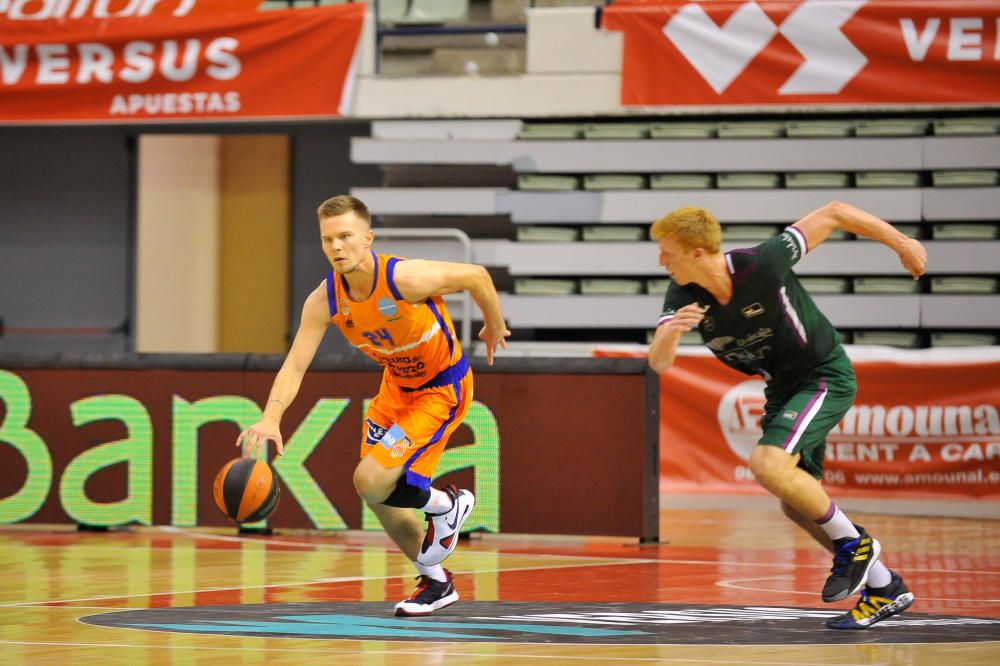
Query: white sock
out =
(436, 572)
(879, 575)
(836, 524)
(439, 503)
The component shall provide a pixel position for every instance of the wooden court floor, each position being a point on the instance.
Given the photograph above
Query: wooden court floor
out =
(729, 588)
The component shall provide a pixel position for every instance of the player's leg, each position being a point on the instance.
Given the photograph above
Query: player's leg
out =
(434, 415)
(405, 435)
(809, 526)
(789, 463)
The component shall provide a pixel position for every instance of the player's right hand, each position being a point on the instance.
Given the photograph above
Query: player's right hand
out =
(491, 338)
(256, 436)
(913, 256)
(687, 318)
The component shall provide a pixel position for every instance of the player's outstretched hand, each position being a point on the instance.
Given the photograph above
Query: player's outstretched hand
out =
(688, 317)
(913, 254)
(255, 438)
(491, 338)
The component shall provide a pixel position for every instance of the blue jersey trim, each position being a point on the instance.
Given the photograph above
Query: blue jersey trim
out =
(390, 267)
(331, 293)
(444, 327)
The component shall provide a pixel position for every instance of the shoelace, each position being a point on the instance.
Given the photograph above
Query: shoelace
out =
(841, 558)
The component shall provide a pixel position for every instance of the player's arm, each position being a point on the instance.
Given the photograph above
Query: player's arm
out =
(817, 226)
(315, 318)
(419, 279)
(663, 349)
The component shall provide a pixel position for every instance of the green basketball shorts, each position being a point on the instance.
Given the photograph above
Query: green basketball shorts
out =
(799, 419)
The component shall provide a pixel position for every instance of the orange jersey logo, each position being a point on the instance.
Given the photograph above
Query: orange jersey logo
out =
(413, 342)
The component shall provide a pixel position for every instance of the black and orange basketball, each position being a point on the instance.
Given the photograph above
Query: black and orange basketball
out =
(246, 490)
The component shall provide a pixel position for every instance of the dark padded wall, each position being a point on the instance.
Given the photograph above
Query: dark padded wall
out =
(64, 236)
(66, 226)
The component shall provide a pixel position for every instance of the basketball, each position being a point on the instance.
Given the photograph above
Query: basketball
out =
(246, 490)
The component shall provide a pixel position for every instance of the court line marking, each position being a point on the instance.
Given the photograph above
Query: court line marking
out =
(733, 584)
(431, 652)
(319, 581)
(195, 535)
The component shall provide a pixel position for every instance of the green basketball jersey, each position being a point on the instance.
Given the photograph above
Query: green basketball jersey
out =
(771, 326)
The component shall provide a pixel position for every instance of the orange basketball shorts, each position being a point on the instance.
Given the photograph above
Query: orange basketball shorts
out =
(410, 429)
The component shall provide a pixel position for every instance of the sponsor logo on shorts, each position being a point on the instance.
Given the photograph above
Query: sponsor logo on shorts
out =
(399, 448)
(393, 436)
(791, 415)
(375, 432)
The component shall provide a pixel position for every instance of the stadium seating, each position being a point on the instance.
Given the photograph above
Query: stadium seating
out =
(579, 271)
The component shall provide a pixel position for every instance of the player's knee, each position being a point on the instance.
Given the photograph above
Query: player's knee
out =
(770, 466)
(371, 488)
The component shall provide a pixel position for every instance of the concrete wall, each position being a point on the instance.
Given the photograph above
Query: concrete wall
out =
(573, 69)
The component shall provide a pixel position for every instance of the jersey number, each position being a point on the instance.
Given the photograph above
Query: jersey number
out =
(379, 334)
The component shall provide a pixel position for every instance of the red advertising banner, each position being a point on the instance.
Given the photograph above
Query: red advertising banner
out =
(924, 424)
(63, 10)
(804, 52)
(279, 64)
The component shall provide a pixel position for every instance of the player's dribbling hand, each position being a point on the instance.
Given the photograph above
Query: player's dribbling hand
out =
(688, 317)
(491, 338)
(255, 438)
(913, 255)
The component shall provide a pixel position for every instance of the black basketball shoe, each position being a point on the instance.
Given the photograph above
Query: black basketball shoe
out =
(853, 559)
(875, 605)
(429, 596)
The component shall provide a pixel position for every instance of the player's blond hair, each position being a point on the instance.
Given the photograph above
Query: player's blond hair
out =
(341, 204)
(692, 227)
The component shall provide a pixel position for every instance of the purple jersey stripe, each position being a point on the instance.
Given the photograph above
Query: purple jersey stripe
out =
(806, 417)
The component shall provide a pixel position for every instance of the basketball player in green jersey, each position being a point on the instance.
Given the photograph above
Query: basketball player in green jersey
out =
(754, 315)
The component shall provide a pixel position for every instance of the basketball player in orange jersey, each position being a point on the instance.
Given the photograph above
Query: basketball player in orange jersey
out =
(392, 310)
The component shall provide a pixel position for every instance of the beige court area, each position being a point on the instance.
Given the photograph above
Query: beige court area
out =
(54, 575)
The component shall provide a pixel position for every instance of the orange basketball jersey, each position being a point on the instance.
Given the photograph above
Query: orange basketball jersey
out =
(416, 343)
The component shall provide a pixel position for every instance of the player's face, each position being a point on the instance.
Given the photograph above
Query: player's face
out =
(679, 261)
(346, 241)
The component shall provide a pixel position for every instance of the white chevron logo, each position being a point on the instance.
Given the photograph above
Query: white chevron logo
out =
(721, 54)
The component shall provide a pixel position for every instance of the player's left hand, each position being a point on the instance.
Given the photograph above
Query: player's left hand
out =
(493, 337)
(913, 255)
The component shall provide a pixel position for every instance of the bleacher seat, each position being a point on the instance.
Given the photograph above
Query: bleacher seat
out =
(817, 179)
(613, 188)
(552, 131)
(614, 182)
(958, 231)
(964, 284)
(819, 129)
(616, 131)
(613, 233)
(905, 339)
(681, 181)
(887, 179)
(683, 130)
(966, 178)
(748, 181)
(622, 286)
(886, 285)
(751, 130)
(532, 234)
(892, 127)
(966, 126)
